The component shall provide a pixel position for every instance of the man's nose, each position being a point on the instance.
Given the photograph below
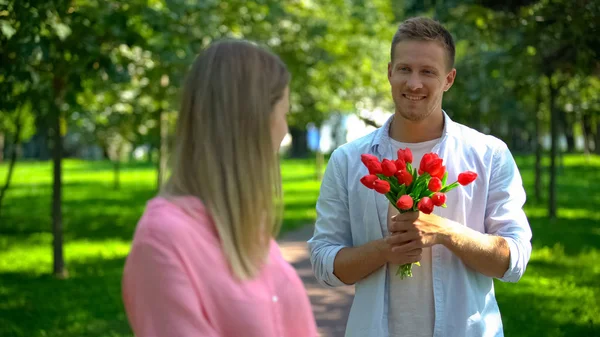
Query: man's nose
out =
(414, 82)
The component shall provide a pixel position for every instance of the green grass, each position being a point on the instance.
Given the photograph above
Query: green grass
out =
(98, 225)
(558, 296)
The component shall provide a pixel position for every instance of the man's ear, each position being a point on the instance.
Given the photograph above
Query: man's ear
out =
(389, 70)
(450, 79)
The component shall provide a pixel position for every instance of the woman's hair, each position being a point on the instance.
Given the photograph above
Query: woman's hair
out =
(223, 152)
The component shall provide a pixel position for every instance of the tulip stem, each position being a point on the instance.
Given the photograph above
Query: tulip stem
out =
(450, 187)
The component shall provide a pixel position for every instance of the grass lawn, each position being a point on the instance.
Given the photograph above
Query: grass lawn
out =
(558, 296)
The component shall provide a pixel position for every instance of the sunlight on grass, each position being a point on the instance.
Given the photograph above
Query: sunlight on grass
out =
(35, 256)
(562, 295)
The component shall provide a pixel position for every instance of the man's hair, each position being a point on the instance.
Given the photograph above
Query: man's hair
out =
(425, 29)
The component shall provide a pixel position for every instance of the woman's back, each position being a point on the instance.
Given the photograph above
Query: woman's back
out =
(177, 281)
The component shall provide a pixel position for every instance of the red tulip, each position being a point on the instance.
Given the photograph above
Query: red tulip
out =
(425, 205)
(365, 157)
(432, 164)
(406, 155)
(467, 177)
(368, 180)
(405, 202)
(404, 177)
(438, 198)
(400, 164)
(381, 186)
(372, 163)
(388, 167)
(435, 184)
(439, 173)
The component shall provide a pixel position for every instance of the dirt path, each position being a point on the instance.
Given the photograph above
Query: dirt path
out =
(330, 306)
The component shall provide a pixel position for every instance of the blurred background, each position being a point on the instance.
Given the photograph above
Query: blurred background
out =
(89, 95)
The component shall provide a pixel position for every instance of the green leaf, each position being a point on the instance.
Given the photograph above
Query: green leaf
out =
(395, 181)
(414, 174)
(416, 193)
(444, 178)
(402, 191)
(7, 29)
(62, 30)
(426, 193)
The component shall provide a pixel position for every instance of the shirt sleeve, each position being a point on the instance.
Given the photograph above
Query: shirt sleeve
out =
(158, 297)
(332, 226)
(505, 216)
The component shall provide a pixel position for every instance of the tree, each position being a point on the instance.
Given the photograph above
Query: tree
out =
(58, 44)
(18, 126)
(557, 40)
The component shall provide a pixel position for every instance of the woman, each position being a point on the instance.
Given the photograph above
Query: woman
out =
(203, 260)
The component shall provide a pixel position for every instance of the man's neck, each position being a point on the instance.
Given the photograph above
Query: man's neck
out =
(406, 131)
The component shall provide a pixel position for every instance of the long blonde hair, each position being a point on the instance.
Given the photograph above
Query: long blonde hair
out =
(223, 152)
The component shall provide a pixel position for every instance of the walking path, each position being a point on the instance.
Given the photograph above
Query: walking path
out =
(330, 305)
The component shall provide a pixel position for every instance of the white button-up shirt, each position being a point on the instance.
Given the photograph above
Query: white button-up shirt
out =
(351, 215)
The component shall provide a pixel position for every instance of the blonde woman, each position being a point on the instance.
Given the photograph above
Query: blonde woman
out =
(203, 261)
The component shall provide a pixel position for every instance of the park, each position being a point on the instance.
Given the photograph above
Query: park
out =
(89, 98)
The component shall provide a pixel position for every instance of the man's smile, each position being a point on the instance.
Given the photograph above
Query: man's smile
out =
(413, 97)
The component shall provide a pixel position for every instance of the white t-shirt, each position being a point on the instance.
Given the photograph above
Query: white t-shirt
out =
(411, 304)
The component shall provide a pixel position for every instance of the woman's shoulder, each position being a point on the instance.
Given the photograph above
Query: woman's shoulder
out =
(176, 221)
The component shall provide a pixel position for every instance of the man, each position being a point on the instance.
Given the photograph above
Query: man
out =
(483, 233)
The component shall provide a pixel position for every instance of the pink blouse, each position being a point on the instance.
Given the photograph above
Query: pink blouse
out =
(177, 282)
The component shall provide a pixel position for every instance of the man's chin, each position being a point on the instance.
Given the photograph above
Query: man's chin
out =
(413, 116)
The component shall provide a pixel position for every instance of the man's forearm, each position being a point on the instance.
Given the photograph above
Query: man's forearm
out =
(487, 254)
(352, 264)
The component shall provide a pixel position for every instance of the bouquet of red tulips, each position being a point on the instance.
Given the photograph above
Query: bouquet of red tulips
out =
(409, 189)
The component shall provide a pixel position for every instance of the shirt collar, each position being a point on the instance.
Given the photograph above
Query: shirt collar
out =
(382, 135)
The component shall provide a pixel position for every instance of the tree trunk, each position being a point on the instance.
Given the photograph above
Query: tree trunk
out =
(299, 148)
(42, 138)
(568, 130)
(588, 133)
(320, 161)
(554, 120)
(105, 152)
(13, 160)
(117, 168)
(150, 157)
(163, 148)
(1, 146)
(57, 230)
(117, 174)
(597, 138)
(538, 150)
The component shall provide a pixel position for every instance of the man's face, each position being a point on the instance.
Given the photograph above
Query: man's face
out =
(418, 76)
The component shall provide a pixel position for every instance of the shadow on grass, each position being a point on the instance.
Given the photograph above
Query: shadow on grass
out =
(575, 235)
(535, 315)
(90, 210)
(95, 211)
(87, 304)
(74, 166)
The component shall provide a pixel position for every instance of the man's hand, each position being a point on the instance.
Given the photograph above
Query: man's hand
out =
(415, 230)
(400, 255)
(487, 254)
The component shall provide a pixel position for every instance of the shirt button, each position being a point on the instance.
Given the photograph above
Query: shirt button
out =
(275, 299)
